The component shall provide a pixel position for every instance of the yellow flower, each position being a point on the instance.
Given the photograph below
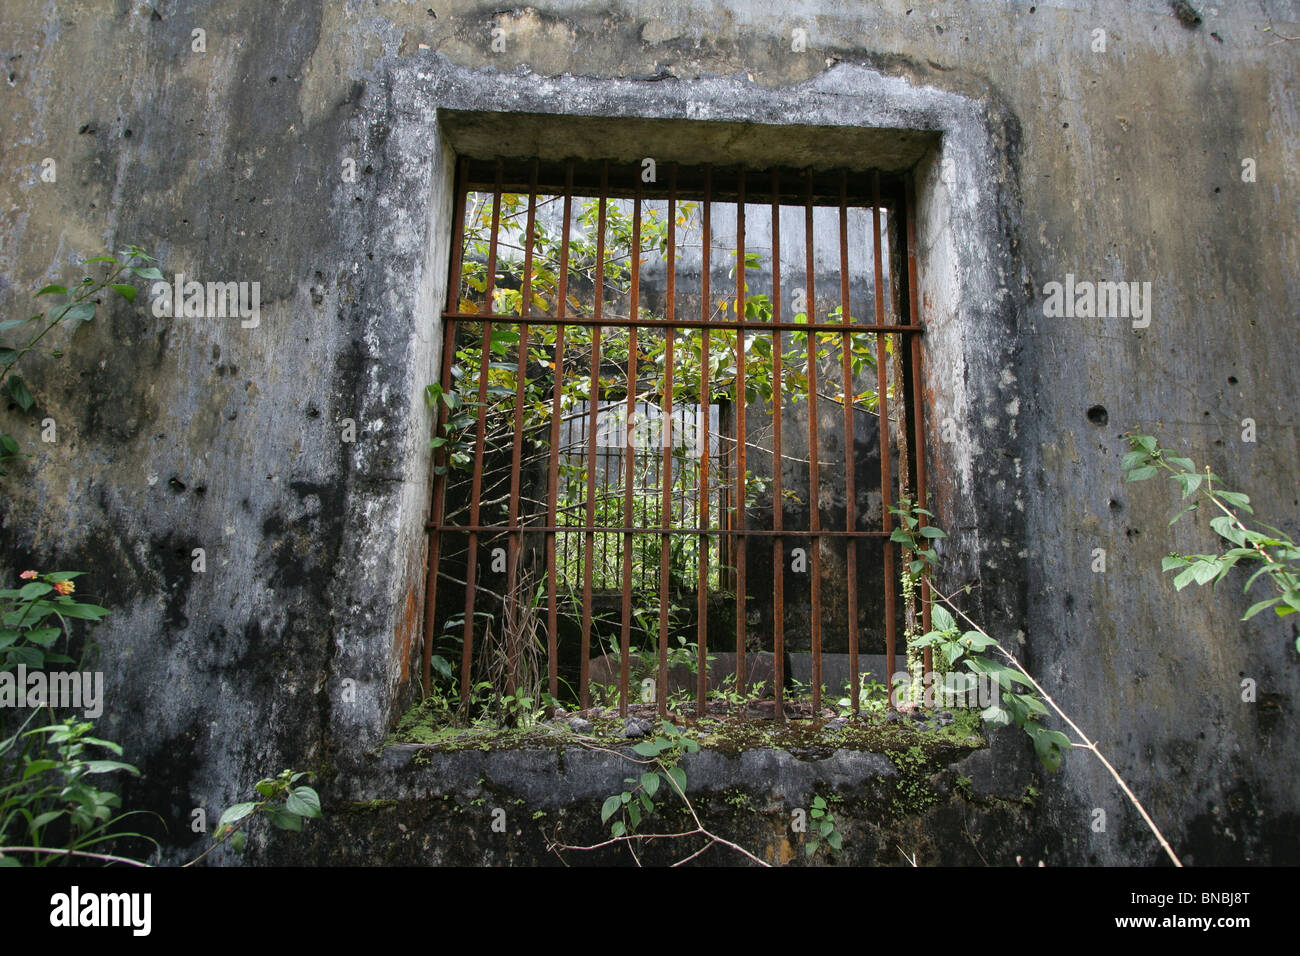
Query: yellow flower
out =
(64, 587)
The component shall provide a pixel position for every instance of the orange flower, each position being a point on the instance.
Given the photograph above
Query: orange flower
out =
(28, 575)
(64, 587)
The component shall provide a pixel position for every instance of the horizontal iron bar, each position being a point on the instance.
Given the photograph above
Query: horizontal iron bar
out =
(610, 529)
(608, 322)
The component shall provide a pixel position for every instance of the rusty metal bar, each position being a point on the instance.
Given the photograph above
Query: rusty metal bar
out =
(741, 467)
(814, 458)
(778, 542)
(629, 458)
(918, 390)
(471, 568)
(593, 402)
(728, 324)
(516, 451)
(659, 529)
(553, 465)
(850, 470)
(882, 407)
(438, 473)
(702, 516)
(666, 437)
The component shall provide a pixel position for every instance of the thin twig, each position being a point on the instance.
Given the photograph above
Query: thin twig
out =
(1087, 743)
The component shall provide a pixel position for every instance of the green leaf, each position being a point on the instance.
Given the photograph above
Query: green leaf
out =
(147, 272)
(283, 819)
(679, 777)
(1132, 460)
(610, 807)
(44, 636)
(108, 766)
(1189, 483)
(236, 813)
(1237, 500)
(238, 841)
(19, 393)
(940, 619)
(1186, 464)
(125, 291)
(35, 767)
(1204, 571)
(650, 782)
(836, 840)
(76, 312)
(618, 829)
(810, 848)
(1226, 527)
(304, 801)
(53, 290)
(1171, 561)
(648, 748)
(84, 612)
(929, 531)
(34, 590)
(825, 827)
(1143, 473)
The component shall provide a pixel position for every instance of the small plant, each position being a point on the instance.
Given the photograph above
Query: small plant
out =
(665, 750)
(824, 832)
(625, 811)
(873, 697)
(284, 802)
(1018, 700)
(79, 306)
(33, 618)
(52, 793)
(1277, 555)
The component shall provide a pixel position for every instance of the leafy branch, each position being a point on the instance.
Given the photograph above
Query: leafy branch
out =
(662, 754)
(1276, 552)
(79, 306)
(1026, 703)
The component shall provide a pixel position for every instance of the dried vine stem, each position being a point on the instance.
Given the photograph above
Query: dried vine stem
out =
(1086, 744)
(629, 840)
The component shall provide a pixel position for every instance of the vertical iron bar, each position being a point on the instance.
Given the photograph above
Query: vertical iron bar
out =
(914, 318)
(739, 510)
(706, 402)
(814, 459)
(553, 469)
(593, 402)
(629, 457)
(882, 407)
(778, 542)
(850, 462)
(521, 376)
(666, 436)
(471, 568)
(438, 479)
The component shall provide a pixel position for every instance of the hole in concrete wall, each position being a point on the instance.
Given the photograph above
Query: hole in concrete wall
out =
(1098, 415)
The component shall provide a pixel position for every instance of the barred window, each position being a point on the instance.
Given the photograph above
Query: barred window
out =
(674, 412)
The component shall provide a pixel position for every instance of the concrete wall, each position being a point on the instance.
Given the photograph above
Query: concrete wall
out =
(176, 434)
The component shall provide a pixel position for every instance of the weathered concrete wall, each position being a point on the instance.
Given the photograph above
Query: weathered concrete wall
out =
(178, 434)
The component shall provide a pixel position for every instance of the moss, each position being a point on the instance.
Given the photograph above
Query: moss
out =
(867, 732)
(367, 806)
(914, 793)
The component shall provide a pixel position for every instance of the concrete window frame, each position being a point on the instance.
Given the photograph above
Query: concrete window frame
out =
(849, 116)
